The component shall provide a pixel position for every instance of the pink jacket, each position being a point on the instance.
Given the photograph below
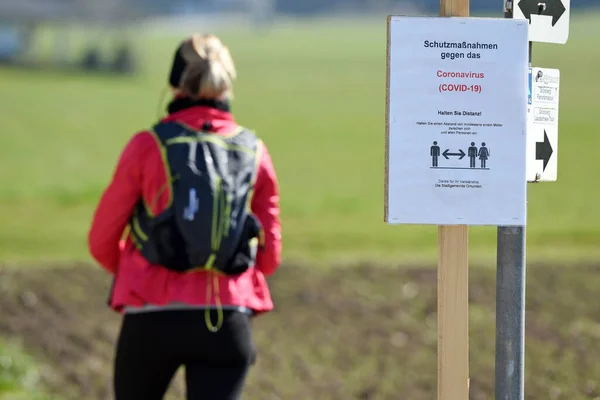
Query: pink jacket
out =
(140, 172)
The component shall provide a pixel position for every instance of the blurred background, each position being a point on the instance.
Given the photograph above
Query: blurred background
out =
(355, 299)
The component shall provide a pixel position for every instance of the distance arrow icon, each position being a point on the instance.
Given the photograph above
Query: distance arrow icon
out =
(549, 8)
(543, 150)
(460, 155)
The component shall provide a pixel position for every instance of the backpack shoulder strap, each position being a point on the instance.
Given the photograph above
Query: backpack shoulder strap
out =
(166, 131)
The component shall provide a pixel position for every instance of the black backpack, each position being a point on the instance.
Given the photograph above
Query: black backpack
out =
(208, 223)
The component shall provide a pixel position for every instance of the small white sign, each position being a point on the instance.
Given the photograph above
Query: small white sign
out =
(542, 125)
(548, 19)
(456, 121)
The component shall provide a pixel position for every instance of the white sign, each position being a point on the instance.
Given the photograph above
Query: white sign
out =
(542, 125)
(456, 121)
(548, 19)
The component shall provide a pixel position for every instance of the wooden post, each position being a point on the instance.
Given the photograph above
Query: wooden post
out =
(454, 8)
(453, 287)
(453, 313)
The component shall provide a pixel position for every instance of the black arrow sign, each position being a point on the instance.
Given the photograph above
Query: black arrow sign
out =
(550, 8)
(460, 155)
(543, 150)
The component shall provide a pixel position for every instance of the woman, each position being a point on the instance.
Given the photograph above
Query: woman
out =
(169, 308)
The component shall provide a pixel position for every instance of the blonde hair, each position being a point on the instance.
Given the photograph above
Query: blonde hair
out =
(210, 71)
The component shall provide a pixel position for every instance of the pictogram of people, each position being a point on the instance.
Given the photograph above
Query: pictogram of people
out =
(435, 153)
(484, 154)
(472, 153)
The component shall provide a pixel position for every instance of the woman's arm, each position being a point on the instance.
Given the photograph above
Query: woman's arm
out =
(265, 205)
(117, 202)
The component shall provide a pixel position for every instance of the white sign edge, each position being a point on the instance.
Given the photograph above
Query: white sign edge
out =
(555, 149)
(387, 125)
(567, 17)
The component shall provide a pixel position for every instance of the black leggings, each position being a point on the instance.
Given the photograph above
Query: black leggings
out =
(153, 345)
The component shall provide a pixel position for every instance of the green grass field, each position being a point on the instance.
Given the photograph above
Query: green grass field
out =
(19, 374)
(315, 93)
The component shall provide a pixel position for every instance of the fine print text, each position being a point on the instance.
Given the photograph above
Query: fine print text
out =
(458, 183)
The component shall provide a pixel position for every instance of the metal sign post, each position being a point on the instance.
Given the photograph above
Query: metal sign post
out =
(510, 306)
(548, 22)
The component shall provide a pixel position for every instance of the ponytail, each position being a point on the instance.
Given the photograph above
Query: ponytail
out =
(203, 68)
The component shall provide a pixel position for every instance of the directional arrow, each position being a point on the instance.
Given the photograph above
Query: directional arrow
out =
(460, 155)
(550, 8)
(543, 150)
